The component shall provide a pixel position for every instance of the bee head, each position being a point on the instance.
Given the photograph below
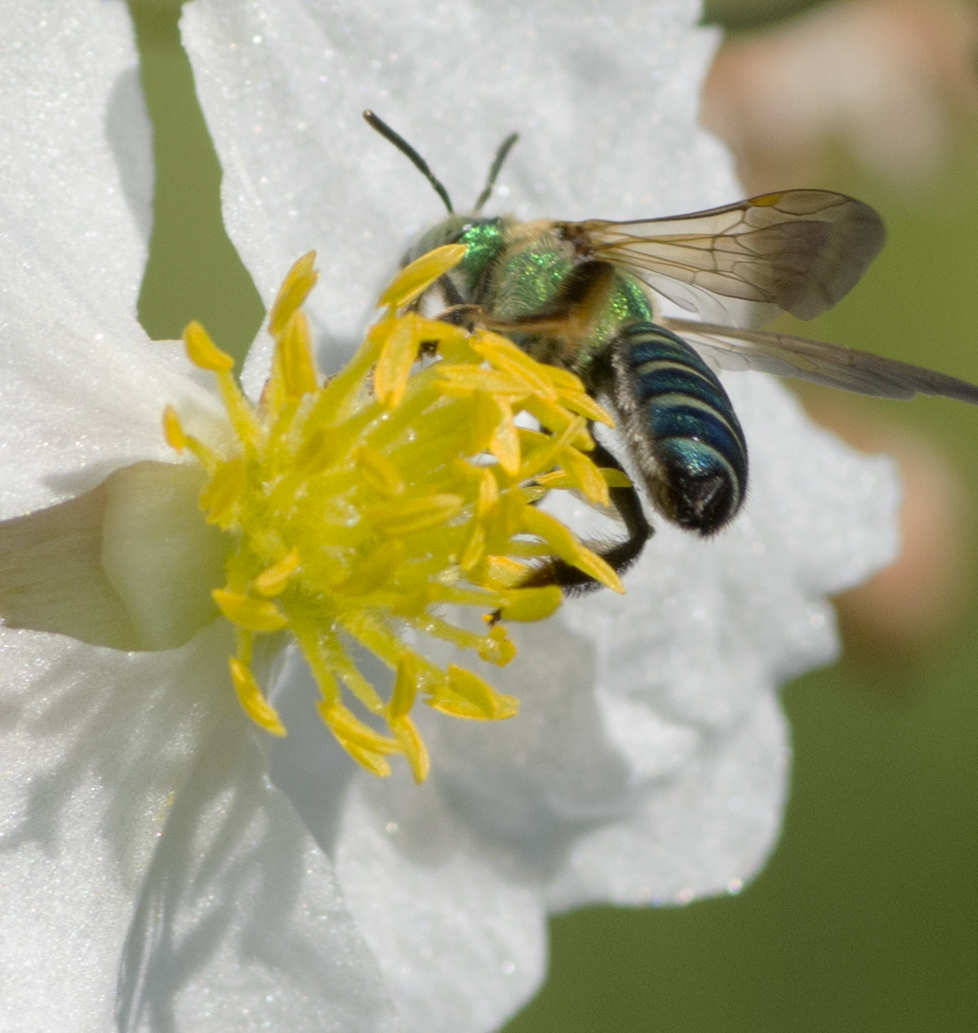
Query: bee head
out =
(448, 231)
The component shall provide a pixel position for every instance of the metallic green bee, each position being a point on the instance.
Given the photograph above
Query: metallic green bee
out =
(577, 295)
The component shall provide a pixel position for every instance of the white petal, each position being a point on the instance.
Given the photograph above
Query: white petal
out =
(130, 135)
(689, 662)
(240, 924)
(459, 944)
(132, 792)
(648, 761)
(94, 744)
(462, 946)
(706, 829)
(604, 99)
(81, 386)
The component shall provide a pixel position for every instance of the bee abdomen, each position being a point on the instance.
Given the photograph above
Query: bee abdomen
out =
(682, 427)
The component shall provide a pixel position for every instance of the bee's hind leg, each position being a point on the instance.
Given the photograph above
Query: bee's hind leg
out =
(627, 501)
(620, 555)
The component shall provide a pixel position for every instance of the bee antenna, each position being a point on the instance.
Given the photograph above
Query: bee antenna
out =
(410, 153)
(497, 163)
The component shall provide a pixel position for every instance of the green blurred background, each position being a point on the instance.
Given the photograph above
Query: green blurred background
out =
(866, 917)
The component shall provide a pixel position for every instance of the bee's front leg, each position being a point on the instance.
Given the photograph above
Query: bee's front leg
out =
(470, 317)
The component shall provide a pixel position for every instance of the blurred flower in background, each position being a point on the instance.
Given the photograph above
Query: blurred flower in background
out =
(889, 81)
(920, 599)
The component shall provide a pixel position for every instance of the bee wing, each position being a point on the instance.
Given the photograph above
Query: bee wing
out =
(800, 250)
(830, 364)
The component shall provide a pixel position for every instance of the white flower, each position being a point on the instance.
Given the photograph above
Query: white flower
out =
(147, 862)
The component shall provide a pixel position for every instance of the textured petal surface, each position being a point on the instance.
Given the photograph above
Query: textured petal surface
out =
(81, 386)
(689, 666)
(94, 744)
(131, 791)
(240, 924)
(605, 99)
(460, 944)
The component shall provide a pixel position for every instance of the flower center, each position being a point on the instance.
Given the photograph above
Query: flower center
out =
(364, 504)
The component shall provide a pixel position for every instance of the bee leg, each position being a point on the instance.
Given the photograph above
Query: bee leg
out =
(620, 555)
(628, 503)
(469, 317)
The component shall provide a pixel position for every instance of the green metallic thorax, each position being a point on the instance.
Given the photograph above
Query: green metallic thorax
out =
(516, 270)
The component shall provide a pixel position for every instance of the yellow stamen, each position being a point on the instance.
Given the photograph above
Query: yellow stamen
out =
(466, 695)
(370, 572)
(415, 279)
(203, 351)
(405, 686)
(585, 476)
(504, 442)
(584, 405)
(348, 726)
(273, 580)
(531, 604)
(248, 612)
(569, 548)
(173, 430)
(413, 748)
(299, 281)
(501, 572)
(615, 478)
(414, 515)
(223, 491)
(505, 355)
(298, 365)
(366, 745)
(394, 365)
(358, 506)
(379, 472)
(253, 702)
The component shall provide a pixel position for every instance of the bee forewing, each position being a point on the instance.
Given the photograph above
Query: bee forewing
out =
(832, 365)
(800, 250)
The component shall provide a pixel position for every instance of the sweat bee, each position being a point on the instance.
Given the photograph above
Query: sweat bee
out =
(579, 295)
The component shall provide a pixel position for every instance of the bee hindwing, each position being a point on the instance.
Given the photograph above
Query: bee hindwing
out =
(832, 365)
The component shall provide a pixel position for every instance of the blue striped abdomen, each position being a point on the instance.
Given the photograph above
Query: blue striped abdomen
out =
(681, 426)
